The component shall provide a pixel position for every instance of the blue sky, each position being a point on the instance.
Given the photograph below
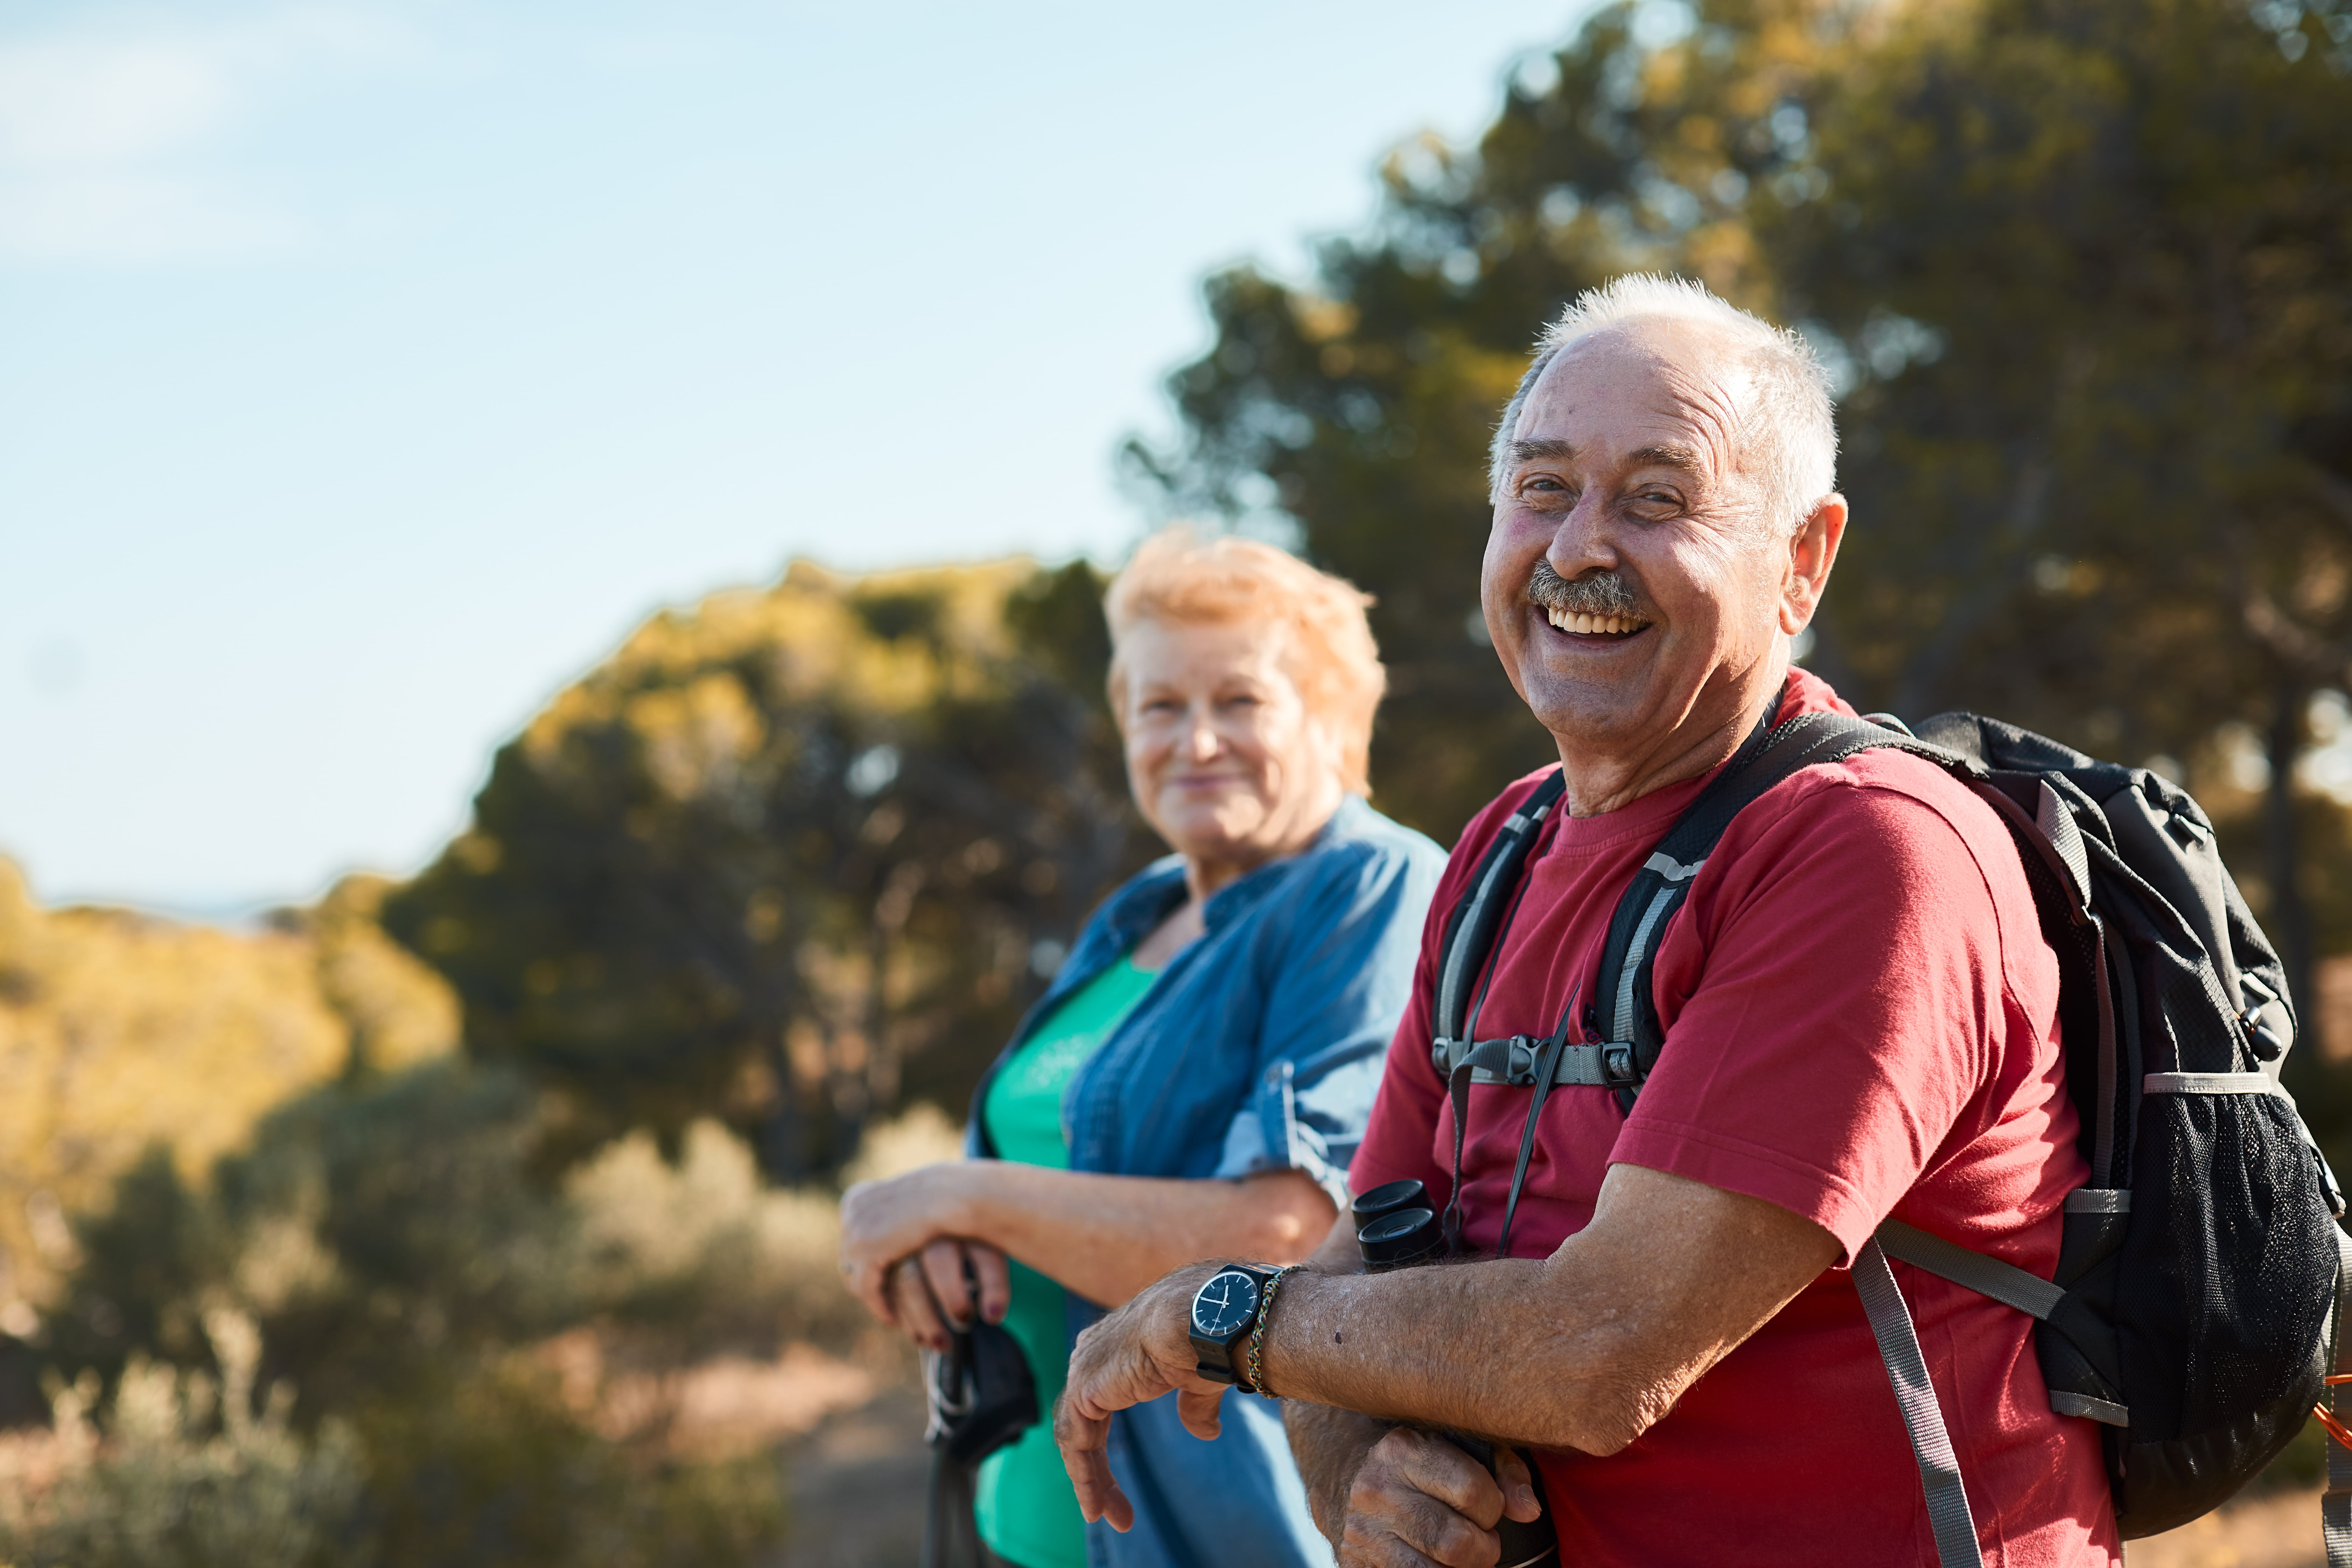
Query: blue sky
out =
(368, 370)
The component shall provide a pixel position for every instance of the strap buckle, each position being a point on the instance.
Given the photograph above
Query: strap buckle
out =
(1618, 1069)
(1443, 1053)
(1512, 1061)
(1520, 1065)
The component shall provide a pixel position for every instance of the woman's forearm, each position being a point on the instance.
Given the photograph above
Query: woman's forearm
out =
(1106, 1237)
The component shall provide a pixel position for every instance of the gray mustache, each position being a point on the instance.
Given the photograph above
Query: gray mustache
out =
(1596, 593)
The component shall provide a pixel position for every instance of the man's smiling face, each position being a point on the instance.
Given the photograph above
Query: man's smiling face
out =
(1637, 582)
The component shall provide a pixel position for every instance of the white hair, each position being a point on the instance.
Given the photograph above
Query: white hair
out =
(1795, 430)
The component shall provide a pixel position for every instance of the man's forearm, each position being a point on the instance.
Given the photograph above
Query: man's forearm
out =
(1330, 1446)
(1471, 1348)
(1583, 1349)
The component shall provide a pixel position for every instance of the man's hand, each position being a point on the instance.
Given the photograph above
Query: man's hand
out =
(1417, 1501)
(1140, 1352)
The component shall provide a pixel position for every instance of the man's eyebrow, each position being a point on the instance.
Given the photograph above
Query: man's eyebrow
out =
(1681, 457)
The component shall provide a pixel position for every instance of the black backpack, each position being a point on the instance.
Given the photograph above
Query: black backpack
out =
(2193, 1309)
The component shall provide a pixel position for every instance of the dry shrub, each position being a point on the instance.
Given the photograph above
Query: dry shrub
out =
(487, 1468)
(496, 1371)
(178, 1471)
(703, 1251)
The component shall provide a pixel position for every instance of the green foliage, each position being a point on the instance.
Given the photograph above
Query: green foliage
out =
(372, 1229)
(398, 1012)
(1055, 619)
(2094, 268)
(787, 858)
(377, 1229)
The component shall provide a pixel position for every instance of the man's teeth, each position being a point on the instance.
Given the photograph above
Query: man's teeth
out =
(1568, 621)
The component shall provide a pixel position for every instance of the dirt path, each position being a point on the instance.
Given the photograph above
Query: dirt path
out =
(858, 1484)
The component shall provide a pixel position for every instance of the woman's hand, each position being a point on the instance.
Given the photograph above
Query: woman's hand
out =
(937, 1290)
(883, 1222)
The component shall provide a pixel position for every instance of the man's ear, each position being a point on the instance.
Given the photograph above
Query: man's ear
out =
(1812, 550)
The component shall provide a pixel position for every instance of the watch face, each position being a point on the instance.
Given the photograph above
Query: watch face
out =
(1224, 1304)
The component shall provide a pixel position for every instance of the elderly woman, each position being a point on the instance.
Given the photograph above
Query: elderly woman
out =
(1194, 1080)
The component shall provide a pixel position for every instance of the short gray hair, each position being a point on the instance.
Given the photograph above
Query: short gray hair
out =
(1797, 429)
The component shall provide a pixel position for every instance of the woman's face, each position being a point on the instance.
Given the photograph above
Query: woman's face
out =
(1224, 757)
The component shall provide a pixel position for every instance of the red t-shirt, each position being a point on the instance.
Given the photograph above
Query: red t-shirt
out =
(1861, 1021)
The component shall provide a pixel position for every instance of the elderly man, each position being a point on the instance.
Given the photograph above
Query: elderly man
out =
(1860, 1020)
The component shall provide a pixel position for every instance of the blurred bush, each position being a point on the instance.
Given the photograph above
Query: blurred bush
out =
(488, 1465)
(490, 1468)
(186, 1475)
(120, 1032)
(459, 1355)
(921, 1136)
(372, 1226)
(380, 1227)
(497, 1363)
(704, 1250)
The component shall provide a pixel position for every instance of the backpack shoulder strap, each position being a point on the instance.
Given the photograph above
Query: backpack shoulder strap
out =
(1471, 932)
(1471, 929)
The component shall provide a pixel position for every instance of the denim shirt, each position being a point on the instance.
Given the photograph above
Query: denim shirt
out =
(1258, 1048)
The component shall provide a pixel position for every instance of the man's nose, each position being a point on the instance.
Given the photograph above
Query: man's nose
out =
(1584, 541)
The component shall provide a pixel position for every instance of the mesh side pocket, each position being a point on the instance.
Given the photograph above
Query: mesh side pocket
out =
(2226, 1275)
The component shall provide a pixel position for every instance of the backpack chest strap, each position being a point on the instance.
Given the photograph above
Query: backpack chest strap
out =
(1517, 1062)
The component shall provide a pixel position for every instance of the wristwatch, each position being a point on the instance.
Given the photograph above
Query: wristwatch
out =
(1225, 1310)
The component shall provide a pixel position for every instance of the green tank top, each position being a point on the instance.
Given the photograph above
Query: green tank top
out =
(1024, 1504)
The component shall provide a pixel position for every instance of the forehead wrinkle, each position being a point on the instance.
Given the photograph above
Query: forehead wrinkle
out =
(1698, 387)
(1716, 392)
(1706, 380)
(1709, 409)
(1734, 410)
